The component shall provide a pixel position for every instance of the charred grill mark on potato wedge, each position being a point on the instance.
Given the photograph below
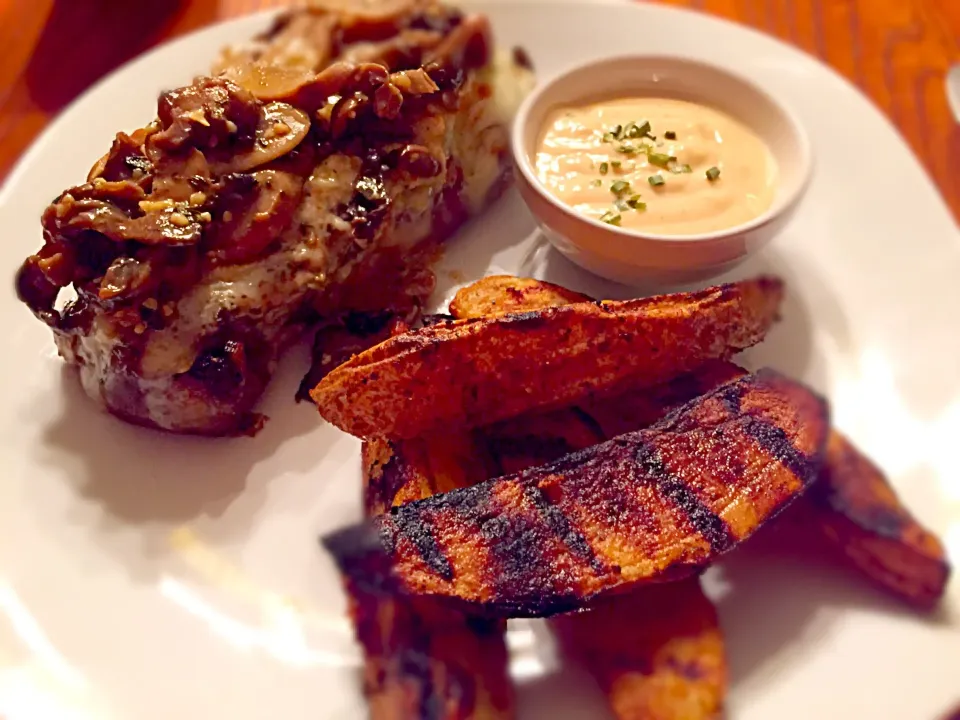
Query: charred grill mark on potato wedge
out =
(632, 408)
(859, 513)
(626, 510)
(562, 354)
(540, 438)
(656, 653)
(399, 472)
(423, 659)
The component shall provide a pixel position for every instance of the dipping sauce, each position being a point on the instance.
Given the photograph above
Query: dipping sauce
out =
(656, 165)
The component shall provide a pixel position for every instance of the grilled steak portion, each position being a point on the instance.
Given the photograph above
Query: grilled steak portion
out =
(258, 198)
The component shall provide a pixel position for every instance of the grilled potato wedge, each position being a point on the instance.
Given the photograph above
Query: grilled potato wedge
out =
(852, 502)
(542, 437)
(402, 472)
(656, 653)
(861, 514)
(465, 373)
(500, 294)
(422, 659)
(421, 655)
(652, 505)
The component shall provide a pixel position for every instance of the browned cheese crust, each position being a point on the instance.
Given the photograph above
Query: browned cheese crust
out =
(312, 175)
(860, 513)
(647, 506)
(474, 372)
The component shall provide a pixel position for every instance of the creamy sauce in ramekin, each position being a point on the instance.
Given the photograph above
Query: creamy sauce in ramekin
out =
(656, 165)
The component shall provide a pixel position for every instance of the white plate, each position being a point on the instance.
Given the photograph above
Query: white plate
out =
(150, 577)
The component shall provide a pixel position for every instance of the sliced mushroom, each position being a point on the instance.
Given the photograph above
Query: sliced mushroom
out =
(418, 161)
(36, 288)
(162, 224)
(414, 82)
(125, 158)
(271, 82)
(467, 47)
(124, 193)
(124, 279)
(344, 113)
(387, 101)
(401, 52)
(372, 20)
(282, 127)
(304, 42)
(208, 114)
(254, 216)
(181, 178)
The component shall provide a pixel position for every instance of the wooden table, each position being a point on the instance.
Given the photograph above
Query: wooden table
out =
(895, 51)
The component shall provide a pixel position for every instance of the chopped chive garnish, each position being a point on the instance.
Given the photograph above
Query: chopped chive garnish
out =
(627, 149)
(621, 204)
(655, 180)
(603, 168)
(620, 187)
(633, 131)
(713, 173)
(615, 164)
(686, 168)
(635, 203)
(660, 159)
(611, 218)
(597, 183)
(670, 135)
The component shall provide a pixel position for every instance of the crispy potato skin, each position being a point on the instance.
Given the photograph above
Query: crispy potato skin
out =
(542, 437)
(422, 659)
(671, 664)
(647, 506)
(671, 667)
(859, 512)
(656, 653)
(465, 373)
(402, 472)
(852, 502)
(500, 294)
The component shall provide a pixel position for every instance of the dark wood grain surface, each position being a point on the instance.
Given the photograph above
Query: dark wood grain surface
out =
(896, 51)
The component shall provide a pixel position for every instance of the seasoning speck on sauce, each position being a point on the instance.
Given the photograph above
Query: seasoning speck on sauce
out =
(706, 171)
